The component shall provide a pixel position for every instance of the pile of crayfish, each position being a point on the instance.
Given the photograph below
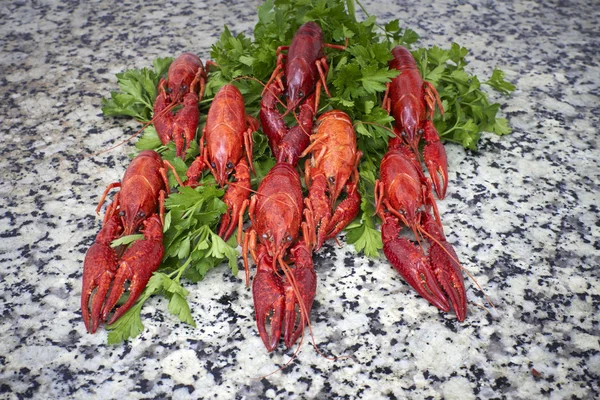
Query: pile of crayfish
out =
(286, 227)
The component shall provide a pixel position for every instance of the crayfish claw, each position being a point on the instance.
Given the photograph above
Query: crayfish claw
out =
(410, 261)
(269, 301)
(163, 117)
(446, 267)
(345, 212)
(436, 160)
(99, 268)
(235, 196)
(305, 280)
(137, 265)
(103, 276)
(185, 124)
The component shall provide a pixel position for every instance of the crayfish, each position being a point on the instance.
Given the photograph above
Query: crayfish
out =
(333, 163)
(227, 136)
(403, 194)
(411, 101)
(139, 202)
(185, 84)
(304, 71)
(281, 293)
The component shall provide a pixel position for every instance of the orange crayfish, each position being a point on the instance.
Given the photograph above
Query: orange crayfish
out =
(332, 169)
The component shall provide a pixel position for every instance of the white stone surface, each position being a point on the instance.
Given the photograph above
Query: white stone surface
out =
(522, 213)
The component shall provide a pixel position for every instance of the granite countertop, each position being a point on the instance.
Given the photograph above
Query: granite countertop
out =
(522, 214)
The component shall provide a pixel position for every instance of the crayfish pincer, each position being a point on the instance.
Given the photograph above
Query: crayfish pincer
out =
(105, 270)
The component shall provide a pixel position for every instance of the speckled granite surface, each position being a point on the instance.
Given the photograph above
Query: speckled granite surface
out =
(522, 213)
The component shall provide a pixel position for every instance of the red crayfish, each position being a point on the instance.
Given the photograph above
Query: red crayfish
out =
(333, 163)
(411, 102)
(305, 71)
(403, 193)
(184, 87)
(226, 137)
(281, 293)
(139, 202)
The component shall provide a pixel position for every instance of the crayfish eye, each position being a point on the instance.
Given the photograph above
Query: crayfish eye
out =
(264, 236)
(331, 179)
(300, 93)
(212, 164)
(169, 90)
(184, 88)
(289, 238)
(420, 131)
(403, 134)
(141, 214)
(229, 165)
(122, 213)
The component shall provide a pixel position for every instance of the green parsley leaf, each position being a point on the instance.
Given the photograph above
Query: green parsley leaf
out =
(497, 82)
(138, 92)
(126, 240)
(365, 239)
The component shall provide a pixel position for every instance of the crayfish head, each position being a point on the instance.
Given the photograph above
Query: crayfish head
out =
(182, 75)
(300, 84)
(133, 216)
(221, 167)
(277, 241)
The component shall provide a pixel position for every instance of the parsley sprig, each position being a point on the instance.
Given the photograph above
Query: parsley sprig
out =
(138, 92)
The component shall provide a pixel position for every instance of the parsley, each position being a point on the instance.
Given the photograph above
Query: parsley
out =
(138, 92)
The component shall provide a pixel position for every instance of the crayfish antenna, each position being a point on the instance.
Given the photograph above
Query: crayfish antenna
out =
(144, 126)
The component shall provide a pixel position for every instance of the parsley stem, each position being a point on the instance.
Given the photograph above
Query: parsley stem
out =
(369, 15)
(179, 271)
